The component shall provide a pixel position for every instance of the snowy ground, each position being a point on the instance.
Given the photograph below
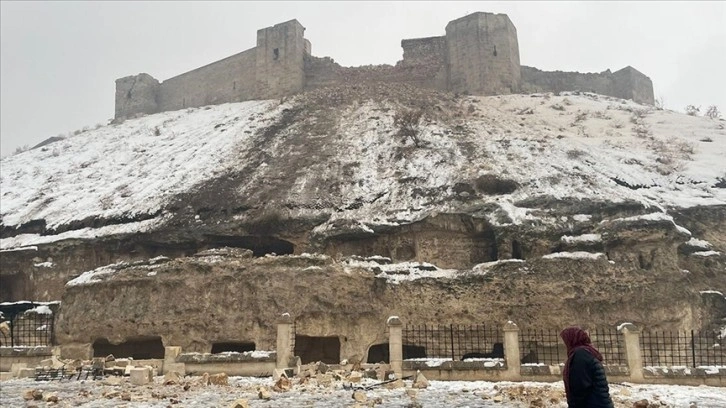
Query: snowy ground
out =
(439, 394)
(576, 146)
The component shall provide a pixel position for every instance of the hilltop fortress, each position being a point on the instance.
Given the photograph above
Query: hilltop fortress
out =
(479, 55)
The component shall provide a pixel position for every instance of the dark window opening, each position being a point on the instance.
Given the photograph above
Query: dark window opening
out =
(411, 351)
(260, 246)
(495, 50)
(234, 85)
(238, 347)
(378, 353)
(184, 102)
(139, 348)
(276, 54)
(516, 250)
(128, 94)
(311, 349)
(644, 263)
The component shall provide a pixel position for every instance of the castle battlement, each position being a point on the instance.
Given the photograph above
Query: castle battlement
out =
(479, 55)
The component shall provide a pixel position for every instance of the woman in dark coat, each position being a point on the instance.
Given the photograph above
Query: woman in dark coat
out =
(586, 385)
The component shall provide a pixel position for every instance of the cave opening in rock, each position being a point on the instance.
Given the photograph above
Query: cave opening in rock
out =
(378, 353)
(259, 245)
(238, 347)
(516, 250)
(138, 348)
(413, 351)
(311, 349)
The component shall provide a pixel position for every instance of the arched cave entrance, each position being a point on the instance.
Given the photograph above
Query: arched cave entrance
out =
(139, 348)
(378, 353)
(259, 245)
(237, 347)
(311, 349)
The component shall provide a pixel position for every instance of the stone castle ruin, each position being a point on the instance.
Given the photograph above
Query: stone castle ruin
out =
(479, 55)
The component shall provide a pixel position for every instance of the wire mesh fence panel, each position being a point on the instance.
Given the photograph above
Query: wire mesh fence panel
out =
(708, 348)
(541, 346)
(611, 345)
(30, 330)
(452, 341)
(689, 348)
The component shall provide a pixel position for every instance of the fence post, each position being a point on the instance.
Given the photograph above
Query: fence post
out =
(395, 345)
(511, 350)
(631, 337)
(284, 325)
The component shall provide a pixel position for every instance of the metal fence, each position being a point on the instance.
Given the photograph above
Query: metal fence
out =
(27, 330)
(688, 348)
(544, 346)
(454, 341)
(541, 346)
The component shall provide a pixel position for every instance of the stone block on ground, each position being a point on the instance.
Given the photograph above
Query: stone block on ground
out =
(240, 403)
(178, 367)
(360, 396)
(26, 372)
(219, 379)
(283, 384)
(140, 375)
(172, 377)
(420, 381)
(15, 368)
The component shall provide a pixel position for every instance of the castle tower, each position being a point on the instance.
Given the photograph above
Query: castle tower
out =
(136, 94)
(279, 66)
(483, 55)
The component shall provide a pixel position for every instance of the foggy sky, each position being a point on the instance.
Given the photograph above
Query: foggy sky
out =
(59, 60)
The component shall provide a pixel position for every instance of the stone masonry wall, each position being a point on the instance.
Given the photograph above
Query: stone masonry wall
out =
(136, 94)
(627, 83)
(483, 55)
(478, 55)
(229, 80)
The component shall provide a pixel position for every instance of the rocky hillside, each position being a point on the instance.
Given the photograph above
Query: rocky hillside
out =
(445, 182)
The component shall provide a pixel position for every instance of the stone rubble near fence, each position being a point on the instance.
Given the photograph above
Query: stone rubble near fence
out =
(319, 383)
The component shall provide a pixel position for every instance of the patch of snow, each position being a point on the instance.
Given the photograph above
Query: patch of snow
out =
(84, 233)
(582, 217)
(152, 273)
(698, 243)
(584, 238)
(716, 292)
(706, 253)
(44, 265)
(487, 265)
(42, 309)
(575, 255)
(28, 248)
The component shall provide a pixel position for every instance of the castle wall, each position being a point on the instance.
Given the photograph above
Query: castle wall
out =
(136, 94)
(627, 83)
(483, 55)
(229, 80)
(478, 55)
(280, 67)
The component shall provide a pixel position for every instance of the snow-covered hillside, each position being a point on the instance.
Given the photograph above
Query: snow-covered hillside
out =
(353, 165)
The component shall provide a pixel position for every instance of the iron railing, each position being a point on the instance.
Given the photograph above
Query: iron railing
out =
(686, 348)
(27, 330)
(454, 341)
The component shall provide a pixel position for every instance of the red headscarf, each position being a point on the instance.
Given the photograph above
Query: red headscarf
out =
(575, 338)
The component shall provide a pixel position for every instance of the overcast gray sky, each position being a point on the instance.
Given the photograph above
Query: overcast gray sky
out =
(59, 60)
